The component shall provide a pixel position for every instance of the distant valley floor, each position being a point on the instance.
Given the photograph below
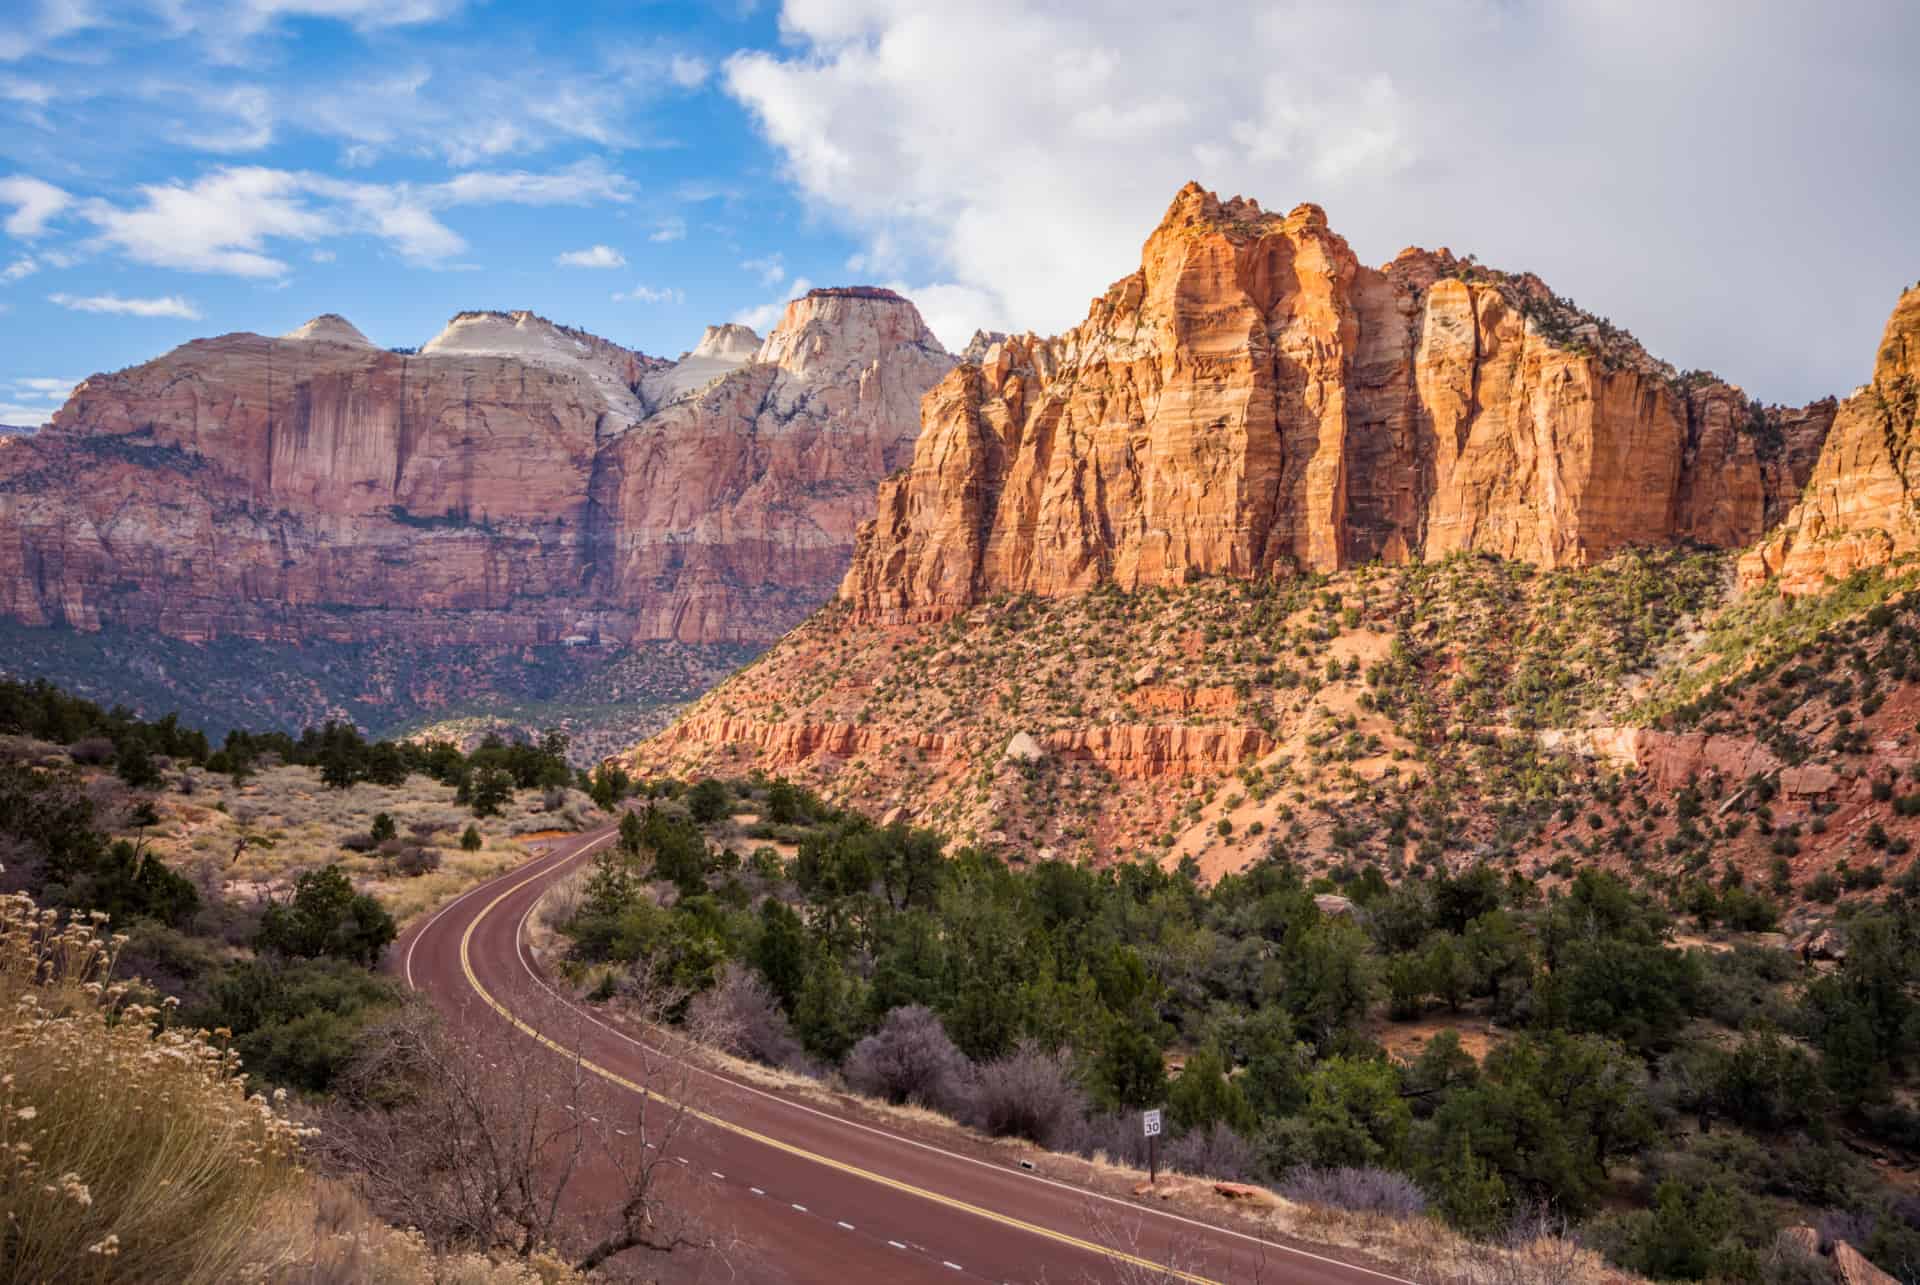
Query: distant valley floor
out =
(604, 698)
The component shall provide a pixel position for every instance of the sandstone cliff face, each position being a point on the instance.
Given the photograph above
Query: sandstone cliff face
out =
(1859, 508)
(745, 496)
(1254, 400)
(513, 482)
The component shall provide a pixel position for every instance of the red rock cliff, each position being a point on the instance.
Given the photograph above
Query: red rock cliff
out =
(1253, 399)
(512, 482)
(1860, 506)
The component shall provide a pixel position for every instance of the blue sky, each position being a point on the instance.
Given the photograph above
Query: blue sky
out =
(1731, 181)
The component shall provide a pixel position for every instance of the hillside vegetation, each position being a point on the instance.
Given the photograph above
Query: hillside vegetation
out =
(1470, 1046)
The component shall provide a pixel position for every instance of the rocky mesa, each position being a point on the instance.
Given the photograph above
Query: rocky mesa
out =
(1254, 400)
(513, 482)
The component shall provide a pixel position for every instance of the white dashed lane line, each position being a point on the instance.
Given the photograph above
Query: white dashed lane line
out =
(903, 1246)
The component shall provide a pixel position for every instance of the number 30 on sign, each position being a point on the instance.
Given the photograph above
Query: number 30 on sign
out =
(1150, 1124)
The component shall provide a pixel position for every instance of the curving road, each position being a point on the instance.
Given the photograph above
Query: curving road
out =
(818, 1197)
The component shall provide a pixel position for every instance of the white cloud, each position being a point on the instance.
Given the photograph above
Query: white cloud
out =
(586, 182)
(226, 20)
(168, 306)
(35, 203)
(322, 256)
(227, 221)
(1023, 152)
(33, 26)
(648, 294)
(470, 114)
(55, 388)
(764, 317)
(596, 256)
(688, 72)
(771, 269)
(19, 269)
(32, 402)
(669, 229)
(220, 224)
(243, 119)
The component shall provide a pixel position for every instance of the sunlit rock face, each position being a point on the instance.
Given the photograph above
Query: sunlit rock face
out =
(1254, 400)
(513, 481)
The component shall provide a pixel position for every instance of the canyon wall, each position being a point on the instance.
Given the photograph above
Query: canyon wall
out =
(1254, 401)
(1861, 507)
(512, 482)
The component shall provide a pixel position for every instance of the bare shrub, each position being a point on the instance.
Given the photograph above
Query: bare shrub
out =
(1360, 1190)
(911, 1059)
(739, 1015)
(1113, 1135)
(413, 861)
(481, 1138)
(1028, 1094)
(93, 751)
(1213, 1152)
(1538, 1248)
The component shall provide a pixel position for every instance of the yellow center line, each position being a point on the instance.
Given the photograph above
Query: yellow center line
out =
(842, 1166)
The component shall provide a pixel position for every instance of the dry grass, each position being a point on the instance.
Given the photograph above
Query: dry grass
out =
(133, 1155)
(253, 839)
(327, 1236)
(126, 1153)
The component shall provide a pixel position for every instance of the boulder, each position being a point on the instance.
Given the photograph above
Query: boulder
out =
(1024, 749)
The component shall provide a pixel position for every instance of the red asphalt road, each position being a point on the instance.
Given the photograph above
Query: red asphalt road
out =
(817, 1197)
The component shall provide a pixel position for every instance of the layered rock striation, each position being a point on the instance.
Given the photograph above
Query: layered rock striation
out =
(1861, 507)
(1253, 400)
(513, 482)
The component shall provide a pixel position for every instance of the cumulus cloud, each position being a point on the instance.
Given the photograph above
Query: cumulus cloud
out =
(167, 306)
(19, 269)
(1680, 168)
(648, 294)
(669, 229)
(35, 203)
(594, 256)
(227, 221)
(220, 224)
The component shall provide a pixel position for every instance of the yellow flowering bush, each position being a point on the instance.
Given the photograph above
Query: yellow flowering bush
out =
(129, 1151)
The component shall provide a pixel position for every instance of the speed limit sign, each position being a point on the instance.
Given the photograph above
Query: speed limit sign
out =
(1150, 1122)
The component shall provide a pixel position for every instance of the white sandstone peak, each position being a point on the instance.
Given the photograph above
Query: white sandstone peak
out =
(330, 328)
(731, 342)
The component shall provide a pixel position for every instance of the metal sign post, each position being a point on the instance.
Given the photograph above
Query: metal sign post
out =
(1150, 1125)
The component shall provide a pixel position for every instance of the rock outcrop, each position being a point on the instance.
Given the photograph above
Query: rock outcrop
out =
(1861, 507)
(513, 482)
(1253, 400)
